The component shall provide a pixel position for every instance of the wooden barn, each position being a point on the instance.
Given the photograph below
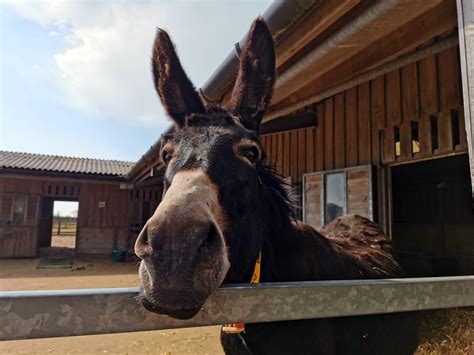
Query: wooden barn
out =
(30, 183)
(369, 116)
(372, 114)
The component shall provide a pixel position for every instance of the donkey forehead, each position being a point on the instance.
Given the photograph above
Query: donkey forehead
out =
(205, 131)
(208, 147)
(215, 116)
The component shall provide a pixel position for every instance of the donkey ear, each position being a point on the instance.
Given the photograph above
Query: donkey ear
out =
(177, 93)
(254, 85)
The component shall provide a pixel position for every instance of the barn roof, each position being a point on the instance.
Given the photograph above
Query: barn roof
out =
(62, 164)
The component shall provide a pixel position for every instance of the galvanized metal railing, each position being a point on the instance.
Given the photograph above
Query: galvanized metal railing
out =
(42, 314)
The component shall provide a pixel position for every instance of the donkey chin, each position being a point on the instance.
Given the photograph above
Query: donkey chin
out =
(185, 296)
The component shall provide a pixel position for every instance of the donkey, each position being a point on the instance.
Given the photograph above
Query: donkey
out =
(224, 205)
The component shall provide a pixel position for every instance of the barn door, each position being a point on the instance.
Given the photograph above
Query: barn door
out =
(45, 222)
(329, 194)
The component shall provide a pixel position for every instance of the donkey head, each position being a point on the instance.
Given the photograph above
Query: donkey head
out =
(205, 229)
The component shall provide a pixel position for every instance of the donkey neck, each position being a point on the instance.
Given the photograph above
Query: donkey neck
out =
(298, 252)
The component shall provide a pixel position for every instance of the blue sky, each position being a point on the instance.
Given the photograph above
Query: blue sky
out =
(75, 76)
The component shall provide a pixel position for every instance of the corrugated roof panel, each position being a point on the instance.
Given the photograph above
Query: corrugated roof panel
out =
(29, 161)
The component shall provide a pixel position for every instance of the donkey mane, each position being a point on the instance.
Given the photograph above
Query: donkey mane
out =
(279, 195)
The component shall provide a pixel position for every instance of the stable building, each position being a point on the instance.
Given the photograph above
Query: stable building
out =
(29, 185)
(111, 210)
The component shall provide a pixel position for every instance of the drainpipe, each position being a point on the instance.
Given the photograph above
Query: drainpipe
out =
(278, 16)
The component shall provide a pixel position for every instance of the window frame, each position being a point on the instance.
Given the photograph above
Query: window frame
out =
(28, 205)
(24, 200)
(325, 191)
(345, 171)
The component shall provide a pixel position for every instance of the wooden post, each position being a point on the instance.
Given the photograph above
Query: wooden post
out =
(466, 49)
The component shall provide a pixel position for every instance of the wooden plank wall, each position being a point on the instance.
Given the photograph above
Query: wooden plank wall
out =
(102, 228)
(115, 212)
(99, 228)
(377, 122)
(19, 238)
(143, 203)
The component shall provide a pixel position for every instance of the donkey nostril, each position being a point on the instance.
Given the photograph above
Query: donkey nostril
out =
(142, 245)
(211, 239)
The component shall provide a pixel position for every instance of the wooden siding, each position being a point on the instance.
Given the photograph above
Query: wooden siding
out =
(101, 227)
(18, 242)
(314, 200)
(362, 125)
(359, 192)
(143, 203)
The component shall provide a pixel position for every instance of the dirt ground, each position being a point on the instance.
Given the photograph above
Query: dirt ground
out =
(67, 238)
(449, 332)
(63, 241)
(93, 272)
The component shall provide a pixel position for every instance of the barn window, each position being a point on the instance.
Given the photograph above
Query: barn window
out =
(19, 210)
(455, 128)
(396, 135)
(327, 195)
(415, 140)
(434, 132)
(335, 196)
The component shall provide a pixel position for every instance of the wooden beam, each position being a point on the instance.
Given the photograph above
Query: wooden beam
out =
(313, 25)
(466, 50)
(418, 31)
(376, 22)
(144, 174)
(425, 52)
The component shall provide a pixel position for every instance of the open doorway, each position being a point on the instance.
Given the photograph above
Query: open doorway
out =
(64, 228)
(57, 226)
(433, 220)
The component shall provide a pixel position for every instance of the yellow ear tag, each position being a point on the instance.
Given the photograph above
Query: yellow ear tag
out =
(236, 328)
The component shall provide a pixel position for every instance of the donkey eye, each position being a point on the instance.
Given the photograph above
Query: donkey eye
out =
(166, 156)
(252, 153)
